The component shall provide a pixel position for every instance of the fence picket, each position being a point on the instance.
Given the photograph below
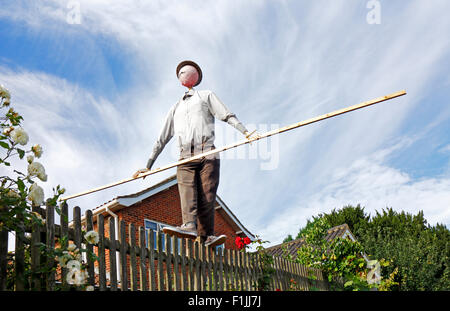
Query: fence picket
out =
(77, 226)
(240, 270)
(198, 279)
(220, 271)
(50, 243)
(142, 260)
(231, 256)
(35, 253)
(176, 263)
(168, 260)
(133, 261)
(246, 270)
(203, 263)
(151, 260)
(112, 255)
(184, 279)
(209, 267)
(90, 248)
(64, 221)
(3, 258)
(19, 264)
(101, 252)
(123, 257)
(160, 261)
(215, 262)
(191, 266)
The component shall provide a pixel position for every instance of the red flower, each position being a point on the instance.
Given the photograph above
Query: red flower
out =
(278, 290)
(239, 242)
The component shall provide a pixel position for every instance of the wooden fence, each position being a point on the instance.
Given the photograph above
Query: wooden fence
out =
(179, 264)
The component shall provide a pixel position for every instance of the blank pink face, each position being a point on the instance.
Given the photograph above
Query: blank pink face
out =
(188, 76)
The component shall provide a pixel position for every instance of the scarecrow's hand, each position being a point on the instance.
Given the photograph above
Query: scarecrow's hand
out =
(140, 171)
(252, 135)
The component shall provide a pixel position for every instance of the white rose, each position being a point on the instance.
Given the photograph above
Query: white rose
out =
(74, 265)
(37, 150)
(36, 195)
(4, 92)
(37, 169)
(19, 136)
(91, 237)
(76, 277)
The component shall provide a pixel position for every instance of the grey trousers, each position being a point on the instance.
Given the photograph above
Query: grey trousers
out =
(197, 184)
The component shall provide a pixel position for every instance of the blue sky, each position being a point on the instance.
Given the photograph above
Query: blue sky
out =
(95, 94)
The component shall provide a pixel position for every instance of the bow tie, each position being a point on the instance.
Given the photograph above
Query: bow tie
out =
(186, 95)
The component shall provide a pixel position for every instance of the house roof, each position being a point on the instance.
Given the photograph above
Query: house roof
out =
(124, 201)
(291, 247)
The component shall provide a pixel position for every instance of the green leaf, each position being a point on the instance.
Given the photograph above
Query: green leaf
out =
(4, 144)
(21, 153)
(20, 185)
(348, 283)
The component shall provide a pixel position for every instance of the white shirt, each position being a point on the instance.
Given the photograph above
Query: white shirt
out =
(191, 121)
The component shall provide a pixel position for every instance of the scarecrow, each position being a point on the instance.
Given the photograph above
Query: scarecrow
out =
(191, 122)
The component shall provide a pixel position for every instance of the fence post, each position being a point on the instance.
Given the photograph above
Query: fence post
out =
(225, 269)
(160, 260)
(90, 248)
(112, 255)
(142, 259)
(50, 242)
(64, 221)
(168, 262)
(3, 257)
(184, 279)
(198, 278)
(133, 262)
(19, 258)
(101, 252)
(123, 257)
(36, 277)
(151, 260)
(176, 263)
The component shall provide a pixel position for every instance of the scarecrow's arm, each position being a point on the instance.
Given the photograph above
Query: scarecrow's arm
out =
(221, 112)
(164, 137)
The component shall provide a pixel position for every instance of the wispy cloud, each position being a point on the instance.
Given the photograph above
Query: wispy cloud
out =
(270, 63)
(368, 181)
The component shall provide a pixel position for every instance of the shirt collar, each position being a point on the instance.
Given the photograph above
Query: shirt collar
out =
(188, 93)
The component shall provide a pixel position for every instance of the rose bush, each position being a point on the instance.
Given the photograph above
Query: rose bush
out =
(20, 192)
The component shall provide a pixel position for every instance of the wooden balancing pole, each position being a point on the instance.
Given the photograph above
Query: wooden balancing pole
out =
(243, 142)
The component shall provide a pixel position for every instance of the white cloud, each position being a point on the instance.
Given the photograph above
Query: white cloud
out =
(278, 63)
(368, 181)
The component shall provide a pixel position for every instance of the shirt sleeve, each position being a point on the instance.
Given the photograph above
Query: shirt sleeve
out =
(164, 137)
(221, 112)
